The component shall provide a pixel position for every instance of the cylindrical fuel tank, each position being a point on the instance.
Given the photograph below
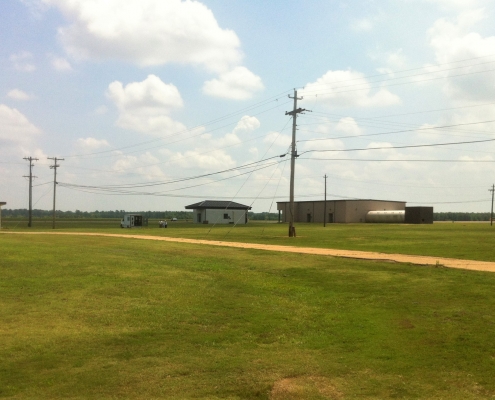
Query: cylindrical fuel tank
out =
(388, 216)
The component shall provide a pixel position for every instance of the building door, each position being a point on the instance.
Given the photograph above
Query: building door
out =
(199, 218)
(330, 217)
(308, 218)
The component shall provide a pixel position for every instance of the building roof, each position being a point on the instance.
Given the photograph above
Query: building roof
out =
(216, 204)
(339, 200)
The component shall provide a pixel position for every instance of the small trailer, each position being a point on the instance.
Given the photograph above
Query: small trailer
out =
(133, 221)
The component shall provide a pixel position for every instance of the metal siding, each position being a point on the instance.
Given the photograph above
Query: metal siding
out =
(344, 211)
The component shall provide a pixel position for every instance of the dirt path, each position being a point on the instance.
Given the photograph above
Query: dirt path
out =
(365, 255)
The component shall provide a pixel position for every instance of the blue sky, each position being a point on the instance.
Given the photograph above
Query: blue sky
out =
(158, 104)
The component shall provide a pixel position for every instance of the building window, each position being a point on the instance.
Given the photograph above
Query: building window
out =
(226, 216)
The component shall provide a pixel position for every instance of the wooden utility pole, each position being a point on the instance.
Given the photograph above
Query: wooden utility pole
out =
(30, 159)
(491, 214)
(325, 204)
(293, 155)
(54, 166)
(2, 203)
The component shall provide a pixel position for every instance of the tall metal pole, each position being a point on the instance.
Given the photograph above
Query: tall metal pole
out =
(293, 156)
(325, 204)
(54, 166)
(30, 159)
(491, 214)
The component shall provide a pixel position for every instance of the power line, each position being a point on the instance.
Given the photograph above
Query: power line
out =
(401, 131)
(403, 83)
(122, 189)
(404, 77)
(396, 160)
(400, 147)
(411, 69)
(184, 130)
(160, 183)
(415, 112)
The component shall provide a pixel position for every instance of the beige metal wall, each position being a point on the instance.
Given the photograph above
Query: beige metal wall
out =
(343, 211)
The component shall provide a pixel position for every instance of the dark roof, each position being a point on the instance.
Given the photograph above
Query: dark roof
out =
(224, 205)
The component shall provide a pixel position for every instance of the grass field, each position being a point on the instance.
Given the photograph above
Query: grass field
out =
(94, 317)
(474, 241)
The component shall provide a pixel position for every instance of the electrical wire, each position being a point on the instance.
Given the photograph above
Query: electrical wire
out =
(179, 132)
(396, 160)
(409, 70)
(401, 131)
(400, 147)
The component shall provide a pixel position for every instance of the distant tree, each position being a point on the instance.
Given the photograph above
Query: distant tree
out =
(460, 216)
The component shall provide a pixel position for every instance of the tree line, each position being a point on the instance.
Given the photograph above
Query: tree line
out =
(24, 213)
(262, 216)
(461, 216)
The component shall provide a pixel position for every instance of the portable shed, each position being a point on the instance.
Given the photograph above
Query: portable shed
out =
(219, 212)
(133, 221)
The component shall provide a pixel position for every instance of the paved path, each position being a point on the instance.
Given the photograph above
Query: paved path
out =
(365, 255)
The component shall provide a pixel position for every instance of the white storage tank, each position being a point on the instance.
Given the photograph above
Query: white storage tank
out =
(386, 216)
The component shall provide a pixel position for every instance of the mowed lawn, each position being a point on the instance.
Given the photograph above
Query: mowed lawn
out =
(463, 240)
(106, 318)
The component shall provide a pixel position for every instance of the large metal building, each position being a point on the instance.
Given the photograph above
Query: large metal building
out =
(339, 211)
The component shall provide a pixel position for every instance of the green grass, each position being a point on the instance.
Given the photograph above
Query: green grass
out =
(456, 240)
(88, 317)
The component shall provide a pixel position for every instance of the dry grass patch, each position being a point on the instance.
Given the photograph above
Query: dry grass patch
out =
(305, 387)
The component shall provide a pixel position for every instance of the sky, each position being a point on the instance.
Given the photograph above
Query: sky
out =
(158, 104)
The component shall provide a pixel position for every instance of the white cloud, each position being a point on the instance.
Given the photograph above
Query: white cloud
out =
(92, 143)
(247, 124)
(144, 106)
(144, 165)
(254, 151)
(15, 127)
(23, 61)
(348, 89)
(237, 84)
(362, 25)
(278, 139)
(18, 94)
(147, 32)
(454, 41)
(394, 61)
(348, 125)
(60, 64)
(456, 4)
(211, 161)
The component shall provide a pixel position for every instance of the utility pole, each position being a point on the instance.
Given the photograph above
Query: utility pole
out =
(54, 167)
(30, 159)
(293, 155)
(491, 214)
(325, 204)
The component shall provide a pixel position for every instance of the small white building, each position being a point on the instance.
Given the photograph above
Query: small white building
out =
(219, 212)
(133, 221)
